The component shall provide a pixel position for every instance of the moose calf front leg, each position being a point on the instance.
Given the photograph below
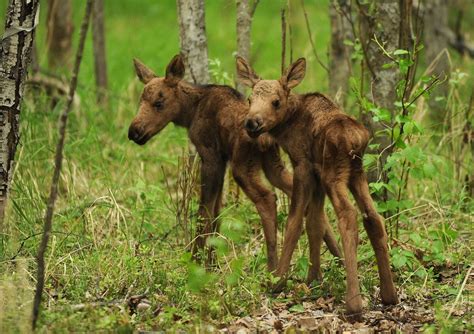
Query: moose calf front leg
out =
(212, 176)
(302, 188)
(247, 177)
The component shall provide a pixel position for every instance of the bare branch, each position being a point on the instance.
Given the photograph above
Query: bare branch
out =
(57, 166)
(308, 28)
(283, 40)
(254, 7)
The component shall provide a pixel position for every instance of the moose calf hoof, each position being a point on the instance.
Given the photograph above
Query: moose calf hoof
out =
(354, 309)
(314, 277)
(389, 298)
(354, 317)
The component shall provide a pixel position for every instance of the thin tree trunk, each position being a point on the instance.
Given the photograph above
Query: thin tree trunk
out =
(192, 32)
(59, 37)
(100, 60)
(283, 39)
(435, 18)
(383, 80)
(15, 57)
(58, 158)
(340, 54)
(244, 23)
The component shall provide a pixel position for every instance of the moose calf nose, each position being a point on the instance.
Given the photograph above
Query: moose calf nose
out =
(133, 134)
(252, 124)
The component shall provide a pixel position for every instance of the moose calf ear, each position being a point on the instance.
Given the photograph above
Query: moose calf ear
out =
(245, 73)
(143, 72)
(294, 74)
(175, 69)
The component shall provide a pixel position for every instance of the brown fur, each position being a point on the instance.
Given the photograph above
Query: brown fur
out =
(214, 117)
(326, 147)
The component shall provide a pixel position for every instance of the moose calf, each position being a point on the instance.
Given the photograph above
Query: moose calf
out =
(325, 147)
(214, 116)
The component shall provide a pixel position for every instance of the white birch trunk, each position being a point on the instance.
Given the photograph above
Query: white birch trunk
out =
(15, 57)
(384, 23)
(192, 32)
(244, 22)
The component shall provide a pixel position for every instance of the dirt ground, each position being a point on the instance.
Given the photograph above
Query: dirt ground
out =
(324, 316)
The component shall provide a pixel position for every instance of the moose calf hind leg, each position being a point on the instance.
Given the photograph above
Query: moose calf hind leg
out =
(347, 223)
(373, 224)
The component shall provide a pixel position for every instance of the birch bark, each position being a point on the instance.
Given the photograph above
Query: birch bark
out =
(244, 22)
(193, 40)
(15, 57)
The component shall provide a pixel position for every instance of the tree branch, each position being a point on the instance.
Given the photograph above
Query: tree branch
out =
(57, 166)
(308, 28)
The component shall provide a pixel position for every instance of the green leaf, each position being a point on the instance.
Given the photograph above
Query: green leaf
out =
(377, 186)
(348, 42)
(429, 170)
(219, 244)
(400, 52)
(398, 260)
(388, 65)
(298, 308)
(198, 278)
(416, 238)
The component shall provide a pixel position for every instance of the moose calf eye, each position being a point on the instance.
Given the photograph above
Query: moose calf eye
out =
(158, 104)
(276, 103)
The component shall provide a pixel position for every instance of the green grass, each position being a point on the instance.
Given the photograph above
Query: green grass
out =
(115, 233)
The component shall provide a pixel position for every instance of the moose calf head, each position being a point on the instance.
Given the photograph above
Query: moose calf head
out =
(159, 104)
(269, 103)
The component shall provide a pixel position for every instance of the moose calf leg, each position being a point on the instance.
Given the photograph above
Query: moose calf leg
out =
(276, 172)
(281, 178)
(374, 226)
(212, 178)
(316, 229)
(347, 223)
(265, 202)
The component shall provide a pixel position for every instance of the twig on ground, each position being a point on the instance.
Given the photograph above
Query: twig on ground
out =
(461, 289)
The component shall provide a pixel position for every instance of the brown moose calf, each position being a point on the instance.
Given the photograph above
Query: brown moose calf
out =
(326, 148)
(214, 117)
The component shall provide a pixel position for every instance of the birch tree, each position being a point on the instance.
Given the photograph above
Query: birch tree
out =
(59, 36)
(382, 23)
(15, 56)
(193, 39)
(244, 22)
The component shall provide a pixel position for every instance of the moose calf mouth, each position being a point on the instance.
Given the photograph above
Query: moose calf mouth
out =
(142, 140)
(255, 133)
(138, 138)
